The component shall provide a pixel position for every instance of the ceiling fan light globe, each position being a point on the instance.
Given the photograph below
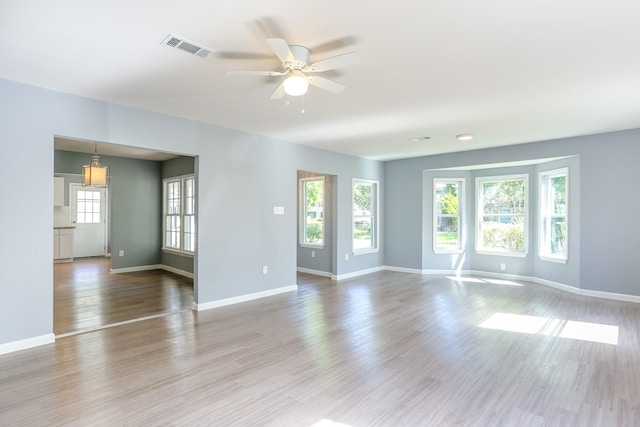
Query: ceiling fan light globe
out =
(296, 85)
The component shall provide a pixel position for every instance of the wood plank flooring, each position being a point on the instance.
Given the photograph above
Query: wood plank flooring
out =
(386, 349)
(88, 296)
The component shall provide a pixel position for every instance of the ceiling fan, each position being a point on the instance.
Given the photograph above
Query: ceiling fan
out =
(296, 66)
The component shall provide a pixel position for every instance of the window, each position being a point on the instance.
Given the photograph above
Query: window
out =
(447, 215)
(312, 211)
(365, 216)
(88, 207)
(553, 215)
(179, 214)
(502, 215)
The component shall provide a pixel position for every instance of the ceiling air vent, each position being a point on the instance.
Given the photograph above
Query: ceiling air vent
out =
(186, 46)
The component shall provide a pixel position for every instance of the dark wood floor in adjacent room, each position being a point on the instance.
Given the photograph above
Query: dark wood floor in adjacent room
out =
(386, 349)
(88, 296)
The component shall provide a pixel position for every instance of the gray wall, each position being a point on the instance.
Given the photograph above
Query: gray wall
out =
(241, 177)
(601, 254)
(171, 168)
(135, 194)
(324, 257)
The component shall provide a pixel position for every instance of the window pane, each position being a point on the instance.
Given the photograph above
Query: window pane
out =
(558, 238)
(313, 211)
(179, 209)
(503, 232)
(447, 215)
(88, 207)
(362, 199)
(502, 214)
(447, 232)
(189, 233)
(362, 232)
(189, 196)
(447, 198)
(503, 197)
(553, 214)
(173, 197)
(559, 194)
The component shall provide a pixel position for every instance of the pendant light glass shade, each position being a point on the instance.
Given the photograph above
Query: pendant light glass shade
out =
(95, 175)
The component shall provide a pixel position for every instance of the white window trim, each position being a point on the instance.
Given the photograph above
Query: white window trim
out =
(375, 212)
(180, 178)
(561, 259)
(303, 220)
(479, 215)
(461, 207)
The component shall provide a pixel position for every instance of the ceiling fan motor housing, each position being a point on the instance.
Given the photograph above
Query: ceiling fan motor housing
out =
(301, 55)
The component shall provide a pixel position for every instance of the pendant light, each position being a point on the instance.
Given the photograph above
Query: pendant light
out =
(95, 175)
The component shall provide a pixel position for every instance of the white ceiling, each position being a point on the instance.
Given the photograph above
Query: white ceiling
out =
(507, 71)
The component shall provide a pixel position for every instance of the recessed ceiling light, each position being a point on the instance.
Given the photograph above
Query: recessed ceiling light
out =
(420, 138)
(465, 137)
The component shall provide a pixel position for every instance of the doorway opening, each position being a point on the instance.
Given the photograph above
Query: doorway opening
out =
(118, 271)
(316, 223)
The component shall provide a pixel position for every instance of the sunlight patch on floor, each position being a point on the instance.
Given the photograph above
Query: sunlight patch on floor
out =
(537, 325)
(477, 280)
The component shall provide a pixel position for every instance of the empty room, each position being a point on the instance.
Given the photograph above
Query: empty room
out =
(332, 214)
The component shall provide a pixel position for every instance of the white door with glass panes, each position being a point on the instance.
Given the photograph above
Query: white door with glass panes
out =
(88, 209)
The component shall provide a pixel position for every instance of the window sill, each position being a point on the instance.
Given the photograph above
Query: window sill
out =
(357, 252)
(177, 252)
(447, 251)
(499, 253)
(553, 259)
(311, 246)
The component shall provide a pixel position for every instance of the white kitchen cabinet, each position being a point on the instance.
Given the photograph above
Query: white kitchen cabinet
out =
(63, 244)
(58, 191)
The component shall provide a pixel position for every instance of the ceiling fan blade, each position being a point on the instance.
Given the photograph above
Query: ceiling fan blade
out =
(255, 73)
(243, 55)
(334, 62)
(281, 49)
(279, 92)
(339, 43)
(325, 84)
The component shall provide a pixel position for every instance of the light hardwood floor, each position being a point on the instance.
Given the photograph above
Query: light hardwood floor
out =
(88, 296)
(386, 349)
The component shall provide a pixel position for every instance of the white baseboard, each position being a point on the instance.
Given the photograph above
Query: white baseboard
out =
(10, 347)
(610, 295)
(549, 283)
(244, 298)
(356, 273)
(563, 287)
(314, 272)
(403, 269)
(177, 271)
(152, 267)
(137, 268)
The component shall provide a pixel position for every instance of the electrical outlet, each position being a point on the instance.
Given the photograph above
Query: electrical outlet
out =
(121, 253)
(346, 257)
(503, 267)
(265, 269)
(313, 254)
